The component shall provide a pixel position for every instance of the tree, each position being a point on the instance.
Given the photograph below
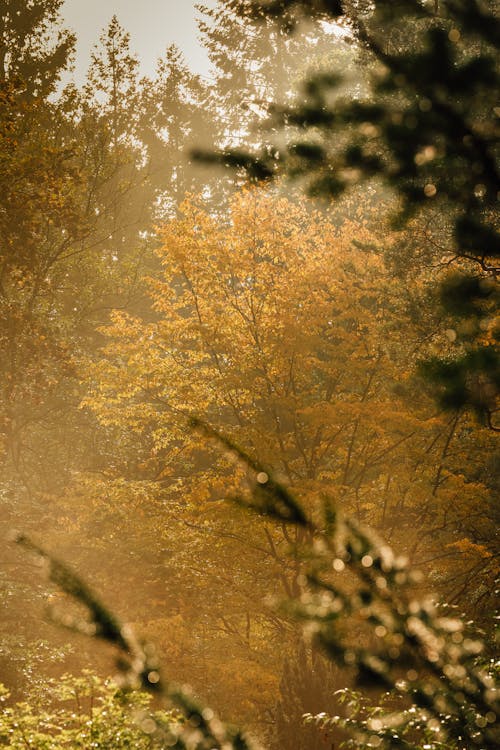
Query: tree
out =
(425, 131)
(423, 656)
(307, 683)
(252, 66)
(33, 47)
(255, 65)
(175, 116)
(257, 328)
(69, 243)
(110, 107)
(112, 78)
(66, 222)
(414, 651)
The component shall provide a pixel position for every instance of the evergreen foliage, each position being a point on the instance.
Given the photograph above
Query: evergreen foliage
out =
(34, 50)
(428, 131)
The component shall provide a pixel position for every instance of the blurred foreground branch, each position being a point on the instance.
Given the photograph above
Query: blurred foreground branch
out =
(138, 665)
(355, 590)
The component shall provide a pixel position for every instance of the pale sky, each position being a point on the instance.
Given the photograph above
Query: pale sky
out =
(152, 25)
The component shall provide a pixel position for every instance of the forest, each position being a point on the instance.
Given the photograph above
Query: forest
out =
(249, 381)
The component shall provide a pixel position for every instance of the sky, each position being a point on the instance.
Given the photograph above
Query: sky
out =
(152, 25)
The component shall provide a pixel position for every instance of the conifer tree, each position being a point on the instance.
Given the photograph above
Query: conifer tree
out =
(175, 115)
(121, 193)
(254, 66)
(307, 686)
(112, 80)
(34, 49)
(425, 130)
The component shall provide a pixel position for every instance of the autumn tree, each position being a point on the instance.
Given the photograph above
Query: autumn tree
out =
(39, 443)
(71, 249)
(251, 325)
(79, 199)
(40, 218)
(257, 329)
(64, 228)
